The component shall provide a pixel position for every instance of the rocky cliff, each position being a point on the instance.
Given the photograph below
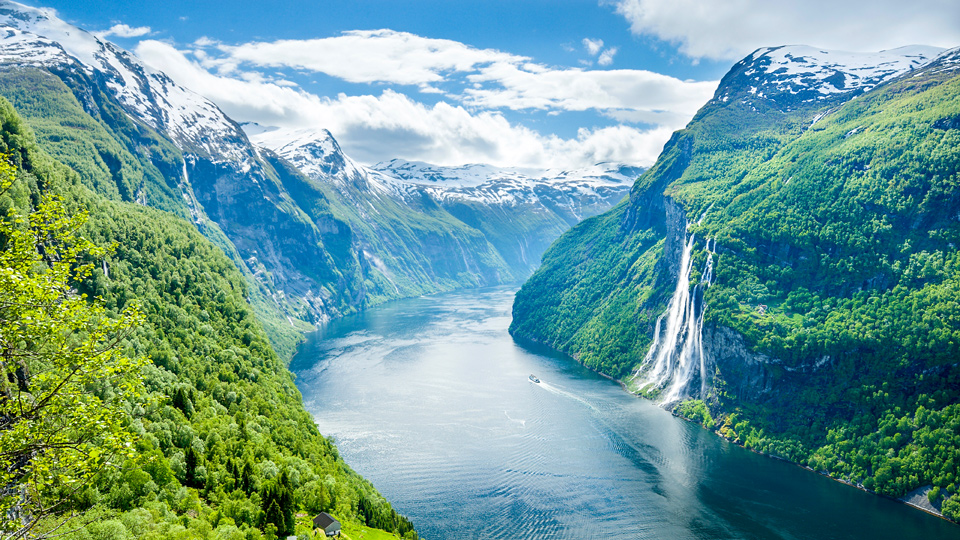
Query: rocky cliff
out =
(317, 235)
(785, 271)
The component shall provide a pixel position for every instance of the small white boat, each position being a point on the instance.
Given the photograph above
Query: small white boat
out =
(533, 378)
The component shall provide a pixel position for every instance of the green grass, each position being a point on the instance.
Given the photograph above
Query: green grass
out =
(354, 531)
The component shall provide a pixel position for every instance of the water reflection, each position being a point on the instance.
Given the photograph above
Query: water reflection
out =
(429, 399)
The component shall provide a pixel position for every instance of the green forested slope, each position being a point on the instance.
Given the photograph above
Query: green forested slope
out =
(401, 251)
(226, 448)
(119, 158)
(100, 155)
(836, 263)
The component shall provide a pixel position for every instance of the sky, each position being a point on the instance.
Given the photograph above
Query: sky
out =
(522, 83)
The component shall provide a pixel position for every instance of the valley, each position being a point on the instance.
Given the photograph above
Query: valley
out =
(245, 283)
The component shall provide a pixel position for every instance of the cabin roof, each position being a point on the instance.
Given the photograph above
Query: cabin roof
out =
(324, 520)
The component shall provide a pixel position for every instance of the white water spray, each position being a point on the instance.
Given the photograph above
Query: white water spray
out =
(675, 358)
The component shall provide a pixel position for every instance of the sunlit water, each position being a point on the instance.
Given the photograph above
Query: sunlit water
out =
(429, 399)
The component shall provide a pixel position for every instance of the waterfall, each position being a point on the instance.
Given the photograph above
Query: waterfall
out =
(189, 198)
(675, 358)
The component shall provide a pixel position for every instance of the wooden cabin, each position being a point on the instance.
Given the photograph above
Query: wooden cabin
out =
(325, 522)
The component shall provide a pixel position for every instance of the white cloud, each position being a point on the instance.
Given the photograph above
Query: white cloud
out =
(375, 128)
(483, 78)
(510, 87)
(731, 30)
(606, 57)
(124, 31)
(204, 41)
(372, 56)
(244, 100)
(592, 46)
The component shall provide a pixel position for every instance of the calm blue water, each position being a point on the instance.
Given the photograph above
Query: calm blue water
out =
(429, 399)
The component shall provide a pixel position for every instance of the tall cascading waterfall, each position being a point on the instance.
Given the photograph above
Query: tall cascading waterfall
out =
(675, 358)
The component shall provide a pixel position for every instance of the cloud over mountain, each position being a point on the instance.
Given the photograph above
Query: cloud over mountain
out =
(465, 92)
(730, 30)
(124, 31)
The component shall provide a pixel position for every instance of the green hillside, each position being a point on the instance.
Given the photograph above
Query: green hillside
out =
(223, 445)
(831, 323)
(308, 251)
(401, 251)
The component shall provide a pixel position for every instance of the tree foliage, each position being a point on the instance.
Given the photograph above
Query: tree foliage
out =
(840, 220)
(63, 374)
(220, 416)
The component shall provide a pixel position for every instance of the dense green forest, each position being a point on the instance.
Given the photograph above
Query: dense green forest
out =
(221, 444)
(309, 250)
(836, 262)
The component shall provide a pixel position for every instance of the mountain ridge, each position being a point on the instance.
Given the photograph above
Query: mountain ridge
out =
(517, 210)
(332, 250)
(758, 278)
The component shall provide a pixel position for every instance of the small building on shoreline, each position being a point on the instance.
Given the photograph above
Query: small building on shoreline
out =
(326, 523)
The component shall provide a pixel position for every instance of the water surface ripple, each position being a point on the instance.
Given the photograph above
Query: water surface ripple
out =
(429, 399)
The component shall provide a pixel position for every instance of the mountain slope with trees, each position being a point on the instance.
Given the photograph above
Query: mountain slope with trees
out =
(818, 211)
(222, 446)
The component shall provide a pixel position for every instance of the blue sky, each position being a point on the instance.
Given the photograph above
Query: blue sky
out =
(534, 83)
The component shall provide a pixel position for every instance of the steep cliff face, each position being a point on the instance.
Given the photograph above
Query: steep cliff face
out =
(316, 234)
(748, 376)
(788, 262)
(519, 212)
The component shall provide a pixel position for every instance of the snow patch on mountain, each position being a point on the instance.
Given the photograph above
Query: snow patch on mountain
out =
(421, 173)
(574, 190)
(314, 151)
(948, 60)
(317, 153)
(810, 74)
(44, 22)
(28, 49)
(794, 66)
(36, 37)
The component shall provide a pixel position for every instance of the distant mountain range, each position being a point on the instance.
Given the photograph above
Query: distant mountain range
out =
(519, 211)
(317, 235)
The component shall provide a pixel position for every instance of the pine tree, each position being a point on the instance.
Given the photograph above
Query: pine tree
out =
(278, 493)
(246, 477)
(285, 500)
(190, 459)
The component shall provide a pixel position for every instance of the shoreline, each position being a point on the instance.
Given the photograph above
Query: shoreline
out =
(905, 500)
(921, 491)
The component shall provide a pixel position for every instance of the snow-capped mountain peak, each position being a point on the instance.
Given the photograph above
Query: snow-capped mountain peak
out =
(43, 22)
(798, 73)
(37, 37)
(312, 150)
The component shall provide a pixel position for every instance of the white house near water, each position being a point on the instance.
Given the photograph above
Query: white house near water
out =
(327, 524)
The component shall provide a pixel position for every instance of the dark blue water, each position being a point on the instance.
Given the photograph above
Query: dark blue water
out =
(429, 399)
